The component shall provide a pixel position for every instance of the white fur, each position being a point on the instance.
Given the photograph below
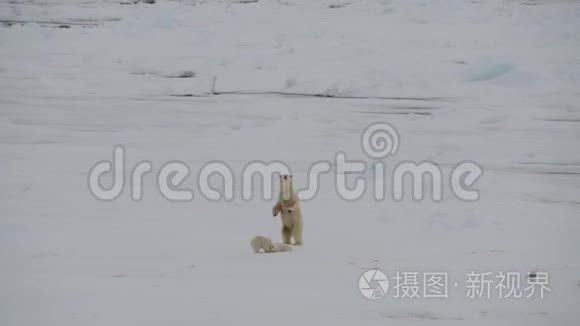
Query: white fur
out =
(286, 186)
(281, 247)
(290, 212)
(264, 243)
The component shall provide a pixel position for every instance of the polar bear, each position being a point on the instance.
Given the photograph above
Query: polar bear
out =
(260, 242)
(289, 209)
(281, 247)
(264, 243)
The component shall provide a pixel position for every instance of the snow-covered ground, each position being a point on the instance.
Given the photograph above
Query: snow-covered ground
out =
(494, 82)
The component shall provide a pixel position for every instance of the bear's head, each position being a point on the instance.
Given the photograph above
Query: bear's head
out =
(286, 187)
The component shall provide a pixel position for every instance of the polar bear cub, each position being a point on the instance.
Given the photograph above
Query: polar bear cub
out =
(262, 243)
(281, 247)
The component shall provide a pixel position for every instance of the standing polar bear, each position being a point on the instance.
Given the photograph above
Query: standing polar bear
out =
(289, 208)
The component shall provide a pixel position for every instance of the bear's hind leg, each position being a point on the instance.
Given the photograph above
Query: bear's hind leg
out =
(286, 235)
(297, 231)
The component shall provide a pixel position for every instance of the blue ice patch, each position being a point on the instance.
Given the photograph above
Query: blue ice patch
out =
(490, 71)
